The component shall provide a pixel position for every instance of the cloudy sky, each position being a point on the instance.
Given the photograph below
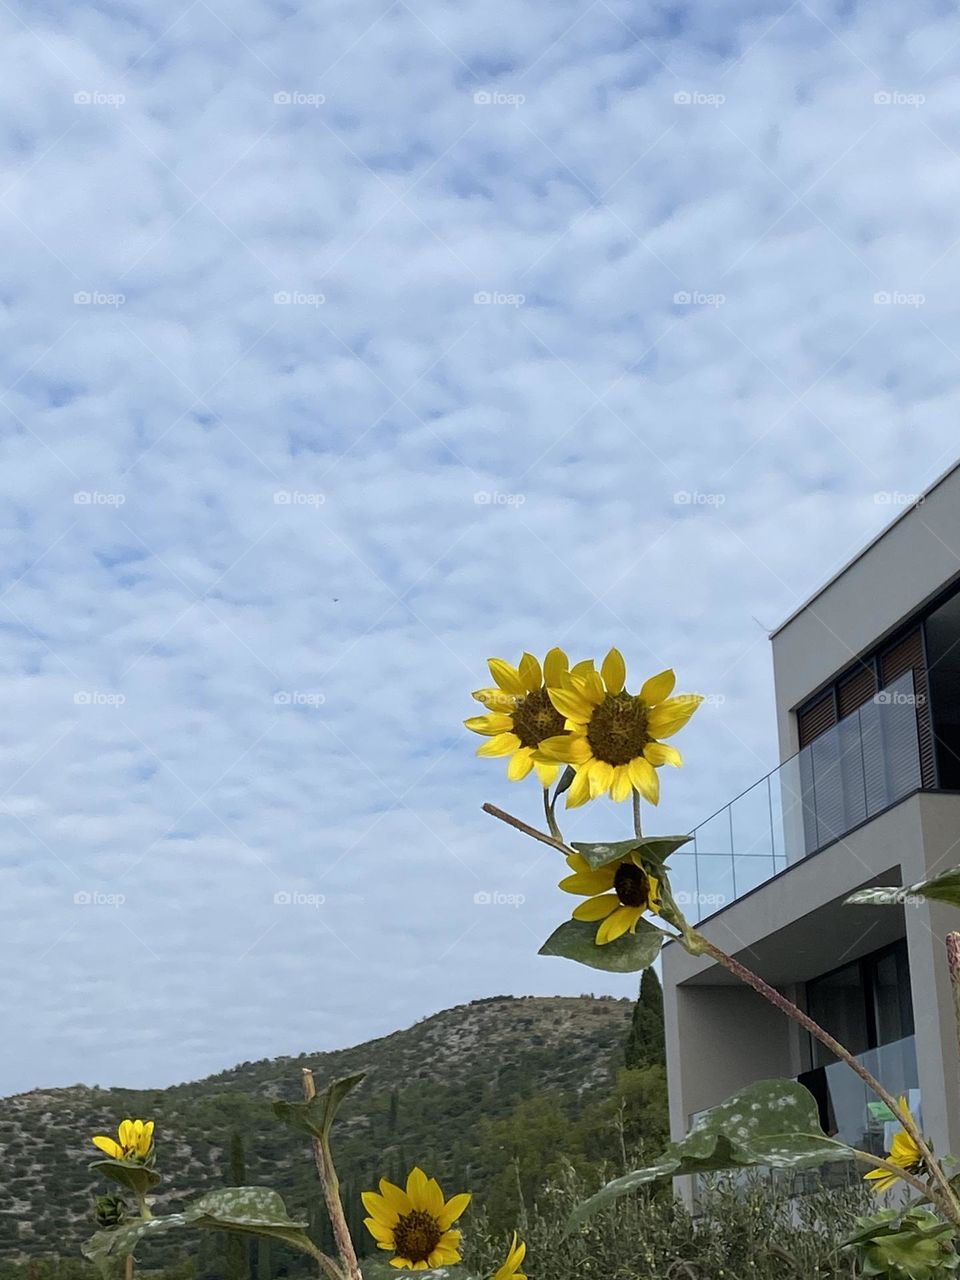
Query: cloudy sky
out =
(347, 345)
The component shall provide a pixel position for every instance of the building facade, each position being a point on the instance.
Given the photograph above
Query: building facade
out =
(867, 678)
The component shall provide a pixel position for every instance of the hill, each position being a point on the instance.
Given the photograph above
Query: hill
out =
(463, 1093)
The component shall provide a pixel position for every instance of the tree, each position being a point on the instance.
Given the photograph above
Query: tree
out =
(236, 1252)
(645, 1046)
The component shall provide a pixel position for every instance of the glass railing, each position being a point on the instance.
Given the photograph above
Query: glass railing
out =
(866, 762)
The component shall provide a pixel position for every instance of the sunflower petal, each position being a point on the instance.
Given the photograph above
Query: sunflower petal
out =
(572, 703)
(581, 668)
(578, 792)
(417, 1187)
(658, 687)
(452, 1210)
(547, 773)
(506, 676)
(587, 883)
(596, 908)
(498, 722)
(530, 673)
(672, 715)
(380, 1233)
(521, 762)
(601, 777)
(504, 744)
(621, 786)
(397, 1199)
(590, 686)
(109, 1147)
(555, 667)
(661, 753)
(495, 699)
(614, 671)
(617, 924)
(645, 778)
(569, 748)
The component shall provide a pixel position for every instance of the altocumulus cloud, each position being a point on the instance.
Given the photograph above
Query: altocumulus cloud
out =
(345, 347)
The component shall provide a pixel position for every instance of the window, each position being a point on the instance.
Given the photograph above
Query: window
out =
(865, 1004)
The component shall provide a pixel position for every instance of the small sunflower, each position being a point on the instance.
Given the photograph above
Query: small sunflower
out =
(521, 714)
(617, 894)
(415, 1224)
(135, 1141)
(903, 1152)
(613, 737)
(509, 1270)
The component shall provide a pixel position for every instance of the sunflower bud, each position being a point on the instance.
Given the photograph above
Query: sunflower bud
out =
(110, 1211)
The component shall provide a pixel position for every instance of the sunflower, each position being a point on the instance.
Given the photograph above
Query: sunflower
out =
(415, 1224)
(617, 894)
(521, 714)
(903, 1152)
(135, 1141)
(514, 1258)
(613, 738)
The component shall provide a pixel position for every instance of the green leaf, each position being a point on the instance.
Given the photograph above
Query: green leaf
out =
(942, 888)
(105, 1246)
(137, 1177)
(773, 1123)
(255, 1211)
(316, 1116)
(577, 940)
(654, 849)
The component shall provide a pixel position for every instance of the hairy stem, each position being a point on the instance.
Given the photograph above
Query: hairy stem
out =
(878, 1162)
(527, 830)
(946, 1199)
(548, 813)
(331, 1194)
(637, 828)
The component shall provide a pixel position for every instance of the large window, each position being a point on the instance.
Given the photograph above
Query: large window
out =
(943, 664)
(865, 1004)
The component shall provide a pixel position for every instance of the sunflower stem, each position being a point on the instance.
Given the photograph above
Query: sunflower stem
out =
(637, 828)
(953, 963)
(947, 1198)
(330, 1185)
(527, 830)
(548, 811)
(878, 1162)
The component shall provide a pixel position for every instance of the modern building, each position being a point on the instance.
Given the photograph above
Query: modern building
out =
(867, 677)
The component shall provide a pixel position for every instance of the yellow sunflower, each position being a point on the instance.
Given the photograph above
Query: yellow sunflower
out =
(521, 714)
(903, 1152)
(617, 894)
(135, 1141)
(613, 738)
(415, 1225)
(509, 1270)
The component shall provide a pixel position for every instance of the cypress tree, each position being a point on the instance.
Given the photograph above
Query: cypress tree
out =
(236, 1260)
(645, 1044)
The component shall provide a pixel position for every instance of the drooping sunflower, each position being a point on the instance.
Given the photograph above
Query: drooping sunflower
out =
(510, 1269)
(135, 1141)
(617, 894)
(520, 713)
(903, 1152)
(415, 1224)
(613, 738)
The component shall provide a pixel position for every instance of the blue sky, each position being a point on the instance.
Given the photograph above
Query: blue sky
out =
(345, 346)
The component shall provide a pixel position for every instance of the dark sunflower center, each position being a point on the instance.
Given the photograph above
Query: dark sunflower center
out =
(416, 1235)
(617, 731)
(631, 885)
(535, 718)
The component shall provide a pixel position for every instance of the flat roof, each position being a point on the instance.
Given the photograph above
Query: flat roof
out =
(863, 551)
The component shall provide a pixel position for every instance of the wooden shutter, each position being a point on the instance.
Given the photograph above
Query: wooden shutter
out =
(856, 689)
(817, 718)
(907, 655)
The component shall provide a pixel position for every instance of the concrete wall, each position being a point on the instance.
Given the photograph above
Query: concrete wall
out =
(721, 1037)
(912, 561)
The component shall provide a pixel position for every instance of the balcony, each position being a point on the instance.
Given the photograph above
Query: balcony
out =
(865, 763)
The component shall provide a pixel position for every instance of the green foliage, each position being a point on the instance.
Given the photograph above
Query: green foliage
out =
(915, 1245)
(773, 1123)
(577, 940)
(942, 888)
(646, 1043)
(751, 1229)
(316, 1116)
